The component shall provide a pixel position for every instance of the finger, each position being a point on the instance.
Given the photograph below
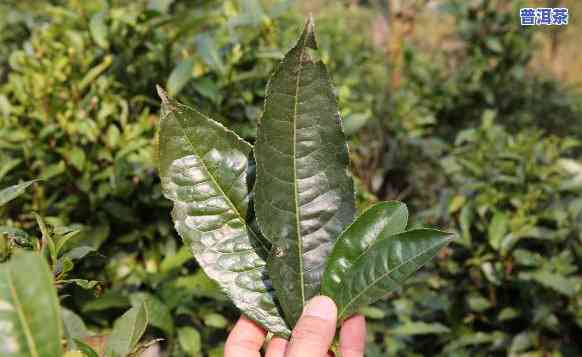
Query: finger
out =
(245, 339)
(313, 334)
(353, 337)
(276, 347)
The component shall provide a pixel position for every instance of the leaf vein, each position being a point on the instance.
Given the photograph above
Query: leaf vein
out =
(382, 276)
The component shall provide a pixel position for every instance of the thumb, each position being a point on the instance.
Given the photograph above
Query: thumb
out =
(314, 332)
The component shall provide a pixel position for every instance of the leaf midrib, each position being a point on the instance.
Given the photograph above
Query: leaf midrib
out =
(295, 188)
(214, 181)
(367, 249)
(21, 317)
(132, 331)
(382, 276)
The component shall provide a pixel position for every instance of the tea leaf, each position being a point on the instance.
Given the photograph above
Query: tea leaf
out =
(385, 265)
(411, 328)
(127, 331)
(203, 167)
(74, 328)
(304, 195)
(29, 309)
(381, 220)
(208, 50)
(159, 314)
(7, 166)
(87, 350)
(190, 340)
(180, 76)
(498, 229)
(9, 193)
(99, 30)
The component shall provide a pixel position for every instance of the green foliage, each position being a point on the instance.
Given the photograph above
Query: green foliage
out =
(30, 309)
(482, 142)
(208, 172)
(382, 219)
(385, 266)
(190, 340)
(78, 111)
(487, 66)
(9, 193)
(511, 283)
(77, 106)
(127, 332)
(521, 233)
(374, 255)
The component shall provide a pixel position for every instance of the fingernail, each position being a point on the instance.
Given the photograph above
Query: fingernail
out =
(322, 307)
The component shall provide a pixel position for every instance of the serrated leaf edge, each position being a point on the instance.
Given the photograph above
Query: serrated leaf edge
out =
(448, 238)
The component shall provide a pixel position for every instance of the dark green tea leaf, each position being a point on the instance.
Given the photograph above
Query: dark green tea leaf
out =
(204, 167)
(304, 195)
(385, 265)
(381, 220)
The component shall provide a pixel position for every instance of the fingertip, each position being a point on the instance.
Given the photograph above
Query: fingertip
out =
(245, 339)
(277, 347)
(353, 336)
(355, 322)
(249, 327)
(322, 307)
(314, 332)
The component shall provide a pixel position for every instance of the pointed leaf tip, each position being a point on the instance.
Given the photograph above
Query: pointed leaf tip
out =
(310, 22)
(308, 35)
(162, 94)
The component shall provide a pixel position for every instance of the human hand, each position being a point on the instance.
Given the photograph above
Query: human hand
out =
(311, 337)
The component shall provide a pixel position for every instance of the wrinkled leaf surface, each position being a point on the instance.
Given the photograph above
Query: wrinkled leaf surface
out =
(204, 167)
(304, 195)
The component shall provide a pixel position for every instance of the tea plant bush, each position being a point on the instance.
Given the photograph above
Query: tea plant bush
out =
(511, 283)
(485, 64)
(501, 170)
(78, 110)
